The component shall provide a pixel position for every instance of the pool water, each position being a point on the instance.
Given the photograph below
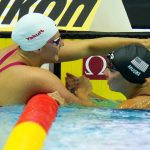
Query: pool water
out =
(79, 128)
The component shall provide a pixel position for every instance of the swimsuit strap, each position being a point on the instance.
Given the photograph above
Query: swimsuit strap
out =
(7, 55)
(12, 64)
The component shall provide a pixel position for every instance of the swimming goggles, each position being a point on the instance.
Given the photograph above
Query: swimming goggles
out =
(55, 42)
(110, 64)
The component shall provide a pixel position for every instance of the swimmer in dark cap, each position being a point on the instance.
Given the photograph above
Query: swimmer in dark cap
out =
(128, 72)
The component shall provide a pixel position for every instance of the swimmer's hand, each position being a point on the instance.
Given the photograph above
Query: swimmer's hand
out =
(57, 97)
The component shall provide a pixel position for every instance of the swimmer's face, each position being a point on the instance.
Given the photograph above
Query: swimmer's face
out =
(52, 47)
(115, 80)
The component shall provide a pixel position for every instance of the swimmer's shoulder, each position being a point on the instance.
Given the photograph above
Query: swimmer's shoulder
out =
(33, 71)
(43, 80)
(36, 73)
(138, 102)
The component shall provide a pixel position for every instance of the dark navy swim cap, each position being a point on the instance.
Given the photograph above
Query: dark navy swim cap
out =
(132, 61)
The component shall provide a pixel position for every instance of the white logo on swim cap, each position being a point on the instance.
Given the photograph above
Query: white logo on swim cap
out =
(134, 71)
(140, 64)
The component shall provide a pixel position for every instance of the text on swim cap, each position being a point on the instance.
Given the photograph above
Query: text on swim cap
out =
(35, 35)
(134, 71)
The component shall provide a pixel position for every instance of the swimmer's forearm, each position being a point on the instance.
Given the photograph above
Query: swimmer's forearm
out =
(100, 46)
(93, 95)
(72, 99)
(77, 49)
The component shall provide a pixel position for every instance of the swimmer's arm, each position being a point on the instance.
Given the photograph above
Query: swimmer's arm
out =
(94, 95)
(76, 49)
(139, 102)
(46, 82)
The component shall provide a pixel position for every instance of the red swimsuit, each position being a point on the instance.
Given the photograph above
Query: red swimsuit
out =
(7, 55)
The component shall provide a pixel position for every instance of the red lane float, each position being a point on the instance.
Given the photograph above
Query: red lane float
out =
(32, 127)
